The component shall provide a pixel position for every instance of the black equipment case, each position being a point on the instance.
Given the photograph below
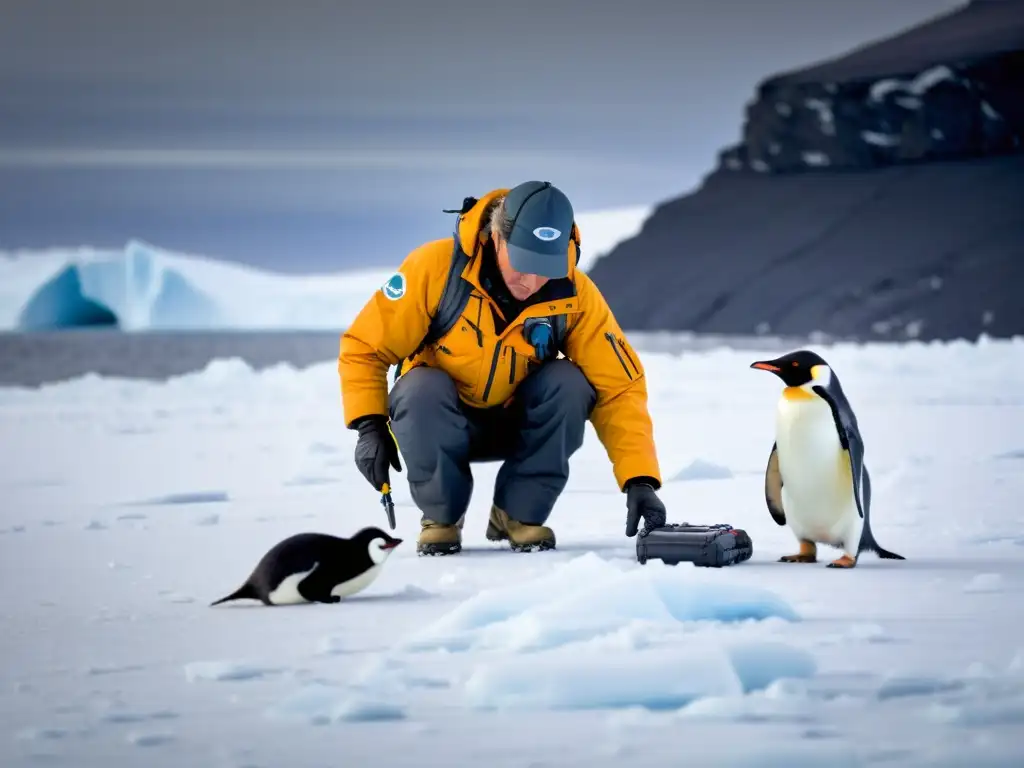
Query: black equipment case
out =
(711, 546)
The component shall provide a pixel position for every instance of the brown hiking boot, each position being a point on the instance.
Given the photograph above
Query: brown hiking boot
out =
(521, 536)
(440, 538)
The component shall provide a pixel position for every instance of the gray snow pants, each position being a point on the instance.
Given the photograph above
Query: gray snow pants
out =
(439, 436)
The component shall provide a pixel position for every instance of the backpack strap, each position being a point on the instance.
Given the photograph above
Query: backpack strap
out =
(454, 297)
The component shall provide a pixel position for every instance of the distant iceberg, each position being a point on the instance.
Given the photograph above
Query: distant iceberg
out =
(143, 287)
(130, 290)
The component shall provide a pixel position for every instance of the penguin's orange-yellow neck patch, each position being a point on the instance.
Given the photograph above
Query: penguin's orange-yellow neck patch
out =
(797, 393)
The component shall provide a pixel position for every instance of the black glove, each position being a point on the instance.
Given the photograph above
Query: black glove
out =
(642, 501)
(375, 450)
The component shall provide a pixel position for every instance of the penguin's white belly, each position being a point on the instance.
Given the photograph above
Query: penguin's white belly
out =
(287, 592)
(358, 584)
(817, 490)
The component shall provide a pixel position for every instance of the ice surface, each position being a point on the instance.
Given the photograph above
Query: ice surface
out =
(129, 505)
(143, 287)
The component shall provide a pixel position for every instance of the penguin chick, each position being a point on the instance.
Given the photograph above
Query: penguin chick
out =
(316, 568)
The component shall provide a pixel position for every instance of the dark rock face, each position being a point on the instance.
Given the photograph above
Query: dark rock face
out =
(876, 196)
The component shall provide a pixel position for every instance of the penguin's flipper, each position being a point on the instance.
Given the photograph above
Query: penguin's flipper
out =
(316, 587)
(773, 487)
(849, 436)
(855, 450)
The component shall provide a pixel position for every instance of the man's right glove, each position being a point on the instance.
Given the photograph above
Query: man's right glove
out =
(642, 502)
(376, 450)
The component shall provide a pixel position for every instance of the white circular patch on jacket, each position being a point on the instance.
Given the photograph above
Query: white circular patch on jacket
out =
(394, 288)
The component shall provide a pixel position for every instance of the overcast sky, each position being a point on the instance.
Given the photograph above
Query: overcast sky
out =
(318, 135)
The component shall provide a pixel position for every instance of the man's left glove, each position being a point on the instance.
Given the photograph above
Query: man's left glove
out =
(376, 451)
(642, 502)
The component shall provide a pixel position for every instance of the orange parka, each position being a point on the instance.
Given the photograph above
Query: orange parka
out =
(487, 365)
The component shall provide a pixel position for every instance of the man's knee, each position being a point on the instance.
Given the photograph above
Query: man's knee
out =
(426, 418)
(420, 393)
(559, 384)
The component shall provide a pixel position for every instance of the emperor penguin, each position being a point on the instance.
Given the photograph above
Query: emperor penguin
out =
(316, 568)
(816, 480)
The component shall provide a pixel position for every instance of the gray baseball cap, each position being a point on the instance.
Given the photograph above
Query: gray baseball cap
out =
(542, 220)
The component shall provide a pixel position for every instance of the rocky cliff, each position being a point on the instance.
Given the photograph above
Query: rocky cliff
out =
(879, 195)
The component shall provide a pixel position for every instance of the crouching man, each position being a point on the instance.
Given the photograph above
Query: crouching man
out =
(475, 324)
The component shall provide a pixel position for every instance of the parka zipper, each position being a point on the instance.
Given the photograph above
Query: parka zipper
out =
(512, 368)
(628, 356)
(494, 367)
(479, 333)
(479, 312)
(615, 348)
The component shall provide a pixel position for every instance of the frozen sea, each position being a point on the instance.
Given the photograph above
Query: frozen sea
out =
(131, 501)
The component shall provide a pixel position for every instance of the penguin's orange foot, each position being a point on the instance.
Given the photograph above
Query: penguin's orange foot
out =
(843, 562)
(807, 554)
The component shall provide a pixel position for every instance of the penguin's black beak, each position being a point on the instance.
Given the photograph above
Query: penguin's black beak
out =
(766, 365)
(391, 544)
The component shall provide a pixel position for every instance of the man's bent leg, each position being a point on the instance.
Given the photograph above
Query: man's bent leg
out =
(552, 408)
(433, 437)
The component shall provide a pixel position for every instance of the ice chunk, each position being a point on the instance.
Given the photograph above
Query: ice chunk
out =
(760, 664)
(594, 676)
(596, 634)
(591, 678)
(589, 596)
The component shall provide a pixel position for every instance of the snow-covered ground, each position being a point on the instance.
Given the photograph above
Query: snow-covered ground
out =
(128, 507)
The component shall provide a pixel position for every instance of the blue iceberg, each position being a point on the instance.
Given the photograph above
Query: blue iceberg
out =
(130, 290)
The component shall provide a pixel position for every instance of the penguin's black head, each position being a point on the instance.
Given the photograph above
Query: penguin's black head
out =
(376, 538)
(796, 369)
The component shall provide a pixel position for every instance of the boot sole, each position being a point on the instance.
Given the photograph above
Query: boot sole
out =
(494, 534)
(448, 548)
(540, 546)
